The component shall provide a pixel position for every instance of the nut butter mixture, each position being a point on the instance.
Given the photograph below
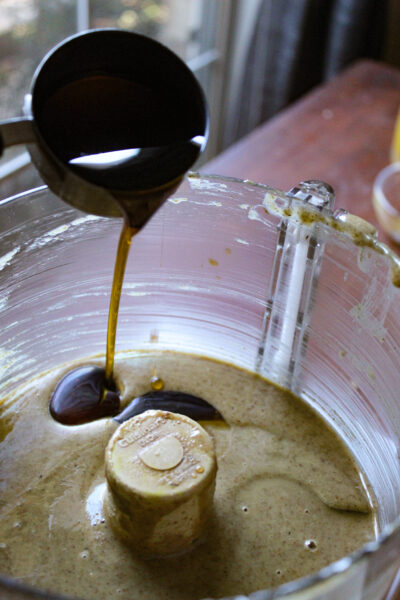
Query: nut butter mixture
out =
(288, 499)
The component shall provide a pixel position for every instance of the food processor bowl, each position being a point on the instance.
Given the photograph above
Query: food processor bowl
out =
(275, 283)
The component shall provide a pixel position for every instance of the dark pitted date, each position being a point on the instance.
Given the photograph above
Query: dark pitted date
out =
(177, 402)
(81, 396)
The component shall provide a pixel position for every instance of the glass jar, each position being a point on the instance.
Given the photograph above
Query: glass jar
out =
(237, 271)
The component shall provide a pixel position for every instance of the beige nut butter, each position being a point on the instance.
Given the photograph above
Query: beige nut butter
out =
(289, 498)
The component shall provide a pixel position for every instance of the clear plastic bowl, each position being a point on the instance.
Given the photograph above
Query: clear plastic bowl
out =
(214, 273)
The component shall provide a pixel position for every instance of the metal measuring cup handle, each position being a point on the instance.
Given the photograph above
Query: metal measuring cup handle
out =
(16, 131)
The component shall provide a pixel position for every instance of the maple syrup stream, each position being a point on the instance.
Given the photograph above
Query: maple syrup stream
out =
(89, 392)
(124, 245)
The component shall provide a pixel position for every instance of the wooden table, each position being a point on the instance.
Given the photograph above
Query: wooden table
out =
(339, 133)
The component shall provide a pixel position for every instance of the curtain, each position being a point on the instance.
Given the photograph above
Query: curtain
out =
(297, 44)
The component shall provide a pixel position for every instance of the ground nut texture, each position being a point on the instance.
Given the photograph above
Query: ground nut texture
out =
(289, 498)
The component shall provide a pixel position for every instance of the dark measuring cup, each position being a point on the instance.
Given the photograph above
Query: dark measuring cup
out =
(113, 122)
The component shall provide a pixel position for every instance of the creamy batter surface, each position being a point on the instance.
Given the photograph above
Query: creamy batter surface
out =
(289, 497)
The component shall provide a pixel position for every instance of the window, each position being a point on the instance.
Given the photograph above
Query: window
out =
(197, 30)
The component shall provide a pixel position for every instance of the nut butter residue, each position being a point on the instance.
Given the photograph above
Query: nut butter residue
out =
(361, 232)
(289, 498)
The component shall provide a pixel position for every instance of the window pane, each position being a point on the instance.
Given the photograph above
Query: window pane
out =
(28, 29)
(172, 22)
